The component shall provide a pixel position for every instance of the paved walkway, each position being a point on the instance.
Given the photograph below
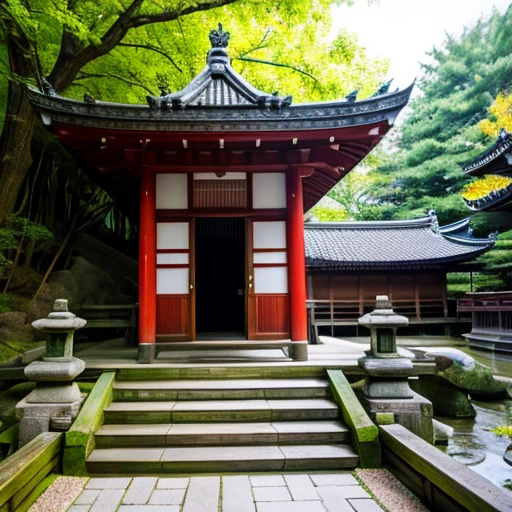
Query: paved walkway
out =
(337, 492)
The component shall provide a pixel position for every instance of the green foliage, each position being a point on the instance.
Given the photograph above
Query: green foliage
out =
(277, 46)
(326, 214)
(5, 303)
(442, 131)
(17, 232)
(503, 431)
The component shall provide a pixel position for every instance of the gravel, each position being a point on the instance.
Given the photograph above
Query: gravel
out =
(60, 495)
(389, 491)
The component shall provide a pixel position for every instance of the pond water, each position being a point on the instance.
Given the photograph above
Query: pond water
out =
(473, 444)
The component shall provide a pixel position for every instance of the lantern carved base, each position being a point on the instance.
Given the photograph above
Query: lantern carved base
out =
(35, 418)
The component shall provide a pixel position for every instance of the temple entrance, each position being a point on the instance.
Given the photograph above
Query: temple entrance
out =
(220, 278)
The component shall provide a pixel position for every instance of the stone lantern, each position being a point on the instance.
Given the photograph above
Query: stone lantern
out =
(387, 396)
(386, 371)
(55, 401)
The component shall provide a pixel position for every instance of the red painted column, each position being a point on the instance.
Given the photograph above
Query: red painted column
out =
(147, 262)
(296, 257)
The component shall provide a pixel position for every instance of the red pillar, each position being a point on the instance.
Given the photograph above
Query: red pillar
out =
(296, 259)
(147, 266)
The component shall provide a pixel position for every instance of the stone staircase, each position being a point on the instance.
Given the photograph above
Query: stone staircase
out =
(187, 426)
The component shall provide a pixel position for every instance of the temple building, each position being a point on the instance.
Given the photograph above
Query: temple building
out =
(493, 189)
(349, 263)
(220, 174)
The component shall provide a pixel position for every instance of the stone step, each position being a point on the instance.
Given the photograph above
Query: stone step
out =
(220, 459)
(199, 411)
(212, 434)
(220, 389)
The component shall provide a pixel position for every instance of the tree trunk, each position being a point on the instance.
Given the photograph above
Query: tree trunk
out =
(15, 142)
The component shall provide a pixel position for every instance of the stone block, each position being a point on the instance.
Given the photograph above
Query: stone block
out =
(237, 494)
(271, 494)
(35, 418)
(415, 414)
(267, 481)
(301, 488)
(335, 479)
(203, 494)
(139, 491)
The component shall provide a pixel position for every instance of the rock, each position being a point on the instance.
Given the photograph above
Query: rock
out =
(442, 432)
(508, 455)
(446, 398)
(465, 373)
(13, 327)
(89, 280)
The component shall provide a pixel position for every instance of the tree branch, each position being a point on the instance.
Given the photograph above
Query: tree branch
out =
(153, 49)
(277, 64)
(67, 67)
(85, 76)
(259, 46)
(171, 15)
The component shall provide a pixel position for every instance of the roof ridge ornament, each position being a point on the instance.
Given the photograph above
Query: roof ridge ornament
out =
(219, 38)
(219, 85)
(434, 220)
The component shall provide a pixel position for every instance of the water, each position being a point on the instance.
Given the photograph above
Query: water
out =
(473, 444)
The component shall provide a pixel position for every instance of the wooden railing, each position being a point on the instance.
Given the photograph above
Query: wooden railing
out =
(347, 312)
(490, 313)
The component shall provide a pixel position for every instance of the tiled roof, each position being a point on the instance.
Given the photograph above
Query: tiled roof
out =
(489, 161)
(390, 244)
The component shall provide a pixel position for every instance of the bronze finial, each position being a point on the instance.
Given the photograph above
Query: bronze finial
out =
(219, 38)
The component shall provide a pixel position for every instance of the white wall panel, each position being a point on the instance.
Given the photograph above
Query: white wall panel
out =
(269, 190)
(172, 235)
(269, 235)
(270, 280)
(171, 191)
(172, 281)
(172, 259)
(269, 257)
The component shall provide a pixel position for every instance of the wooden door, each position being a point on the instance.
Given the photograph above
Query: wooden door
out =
(175, 281)
(267, 281)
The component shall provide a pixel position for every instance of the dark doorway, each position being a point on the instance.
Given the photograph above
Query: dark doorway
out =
(220, 277)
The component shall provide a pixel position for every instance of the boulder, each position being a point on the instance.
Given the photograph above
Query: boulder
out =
(465, 373)
(446, 398)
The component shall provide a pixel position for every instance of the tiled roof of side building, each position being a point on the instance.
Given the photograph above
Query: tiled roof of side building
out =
(495, 158)
(391, 244)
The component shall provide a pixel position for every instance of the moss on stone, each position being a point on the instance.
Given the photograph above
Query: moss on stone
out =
(364, 433)
(478, 380)
(79, 440)
(447, 400)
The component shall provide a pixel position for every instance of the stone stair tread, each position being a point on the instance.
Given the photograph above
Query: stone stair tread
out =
(222, 405)
(221, 453)
(229, 384)
(140, 406)
(221, 428)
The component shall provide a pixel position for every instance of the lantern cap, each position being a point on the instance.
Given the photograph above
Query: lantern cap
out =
(60, 319)
(383, 315)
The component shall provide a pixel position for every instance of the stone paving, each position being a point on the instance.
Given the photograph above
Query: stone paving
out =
(334, 492)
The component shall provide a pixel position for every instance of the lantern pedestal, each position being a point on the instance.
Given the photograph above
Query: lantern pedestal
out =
(55, 401)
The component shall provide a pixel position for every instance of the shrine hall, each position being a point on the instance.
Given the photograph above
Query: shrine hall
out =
(220, 175)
